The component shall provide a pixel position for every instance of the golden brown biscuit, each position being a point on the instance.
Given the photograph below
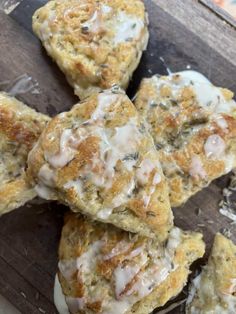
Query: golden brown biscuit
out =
(105, 270)
(194, 128)
(214, 290)
(99, 160)
(95, 43)
(20, 127)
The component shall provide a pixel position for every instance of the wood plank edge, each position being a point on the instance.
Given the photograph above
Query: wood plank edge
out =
(225, 16)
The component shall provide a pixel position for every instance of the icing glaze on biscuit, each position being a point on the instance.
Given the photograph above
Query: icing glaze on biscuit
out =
(103, 269)
(99, 159)
(193, 126)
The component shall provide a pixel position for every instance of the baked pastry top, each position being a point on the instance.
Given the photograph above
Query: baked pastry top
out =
(95, 43)
(20, 127)
(103, 269)
(99, 160)
(214, 290)
(193, 124)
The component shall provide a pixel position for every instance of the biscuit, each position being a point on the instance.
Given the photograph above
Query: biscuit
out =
(20, 127)
(214, 290)
(99, 160)
(103, 269)
(193, 124)
(95, 43)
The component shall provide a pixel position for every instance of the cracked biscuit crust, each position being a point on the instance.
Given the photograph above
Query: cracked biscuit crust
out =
(99, 160)
(214, 290)
(95, 43)
(20, 127)
(105, 270)
(193, 124)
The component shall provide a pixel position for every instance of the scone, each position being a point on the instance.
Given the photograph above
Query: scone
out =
(193, 124)
(105, 270)
(20, 127)
(99, 160)
(214, 290)
(95, 43)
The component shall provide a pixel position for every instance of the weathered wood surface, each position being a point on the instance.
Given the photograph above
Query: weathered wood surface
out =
(183, 33)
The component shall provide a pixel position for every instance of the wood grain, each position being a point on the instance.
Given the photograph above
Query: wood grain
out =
(208, 27)
(224, 15)
(21, 53)
(185, 34)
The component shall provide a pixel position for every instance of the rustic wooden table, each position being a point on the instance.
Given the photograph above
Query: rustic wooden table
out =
(185, 34)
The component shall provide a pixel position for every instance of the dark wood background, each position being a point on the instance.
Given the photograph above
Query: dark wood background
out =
(185, 34)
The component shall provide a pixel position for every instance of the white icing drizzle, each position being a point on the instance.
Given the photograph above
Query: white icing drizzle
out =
(77, 186)
(105, 100)
(221, 122)
(84, 264)
(116, 144)
(148, 279)
(142, 175)
(117, 201)
(196, 168)
(145, 280)
(121, 248)
(124, 274)
(118, 307)
(59, 298)
(136, 252)
(44, 192)
(75, 304)
(45, 30)
(144, 171)
(214, 146)
(96, 22)
(193, 76)
(174, 239)
(127, 27)
(87, 261)
(47, 176)
(157, 179)
(105, 213)
(113, 148)
(67, 268)
(147, 196)
(208, 96)
(67, 151)
(205, 289)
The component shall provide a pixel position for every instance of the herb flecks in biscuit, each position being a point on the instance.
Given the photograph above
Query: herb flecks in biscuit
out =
(214, 290)
(95, 43)
(105, 270)
(99, 160)
(20, 127)
(193, 124)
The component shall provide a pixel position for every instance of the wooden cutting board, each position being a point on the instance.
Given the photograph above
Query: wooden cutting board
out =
(184, 34)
